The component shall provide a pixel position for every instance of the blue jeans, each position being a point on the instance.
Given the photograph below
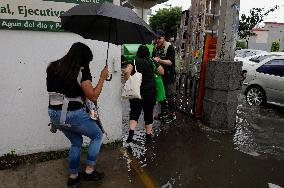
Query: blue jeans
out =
(81, 124)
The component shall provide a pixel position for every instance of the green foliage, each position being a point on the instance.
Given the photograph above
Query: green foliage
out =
(9, 160)
(248, 22)
(275, 47)
(12, 160)
(167, 19)
(241, 45)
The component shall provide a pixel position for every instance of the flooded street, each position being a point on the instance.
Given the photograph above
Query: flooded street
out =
(188, 154)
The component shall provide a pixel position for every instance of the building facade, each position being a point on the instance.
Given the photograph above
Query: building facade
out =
(263, 38)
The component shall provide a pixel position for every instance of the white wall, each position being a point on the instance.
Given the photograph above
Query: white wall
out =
(24, 56)
(276, 33)
(262, 36)
(259, 41)
(116, 2)
(263, 40)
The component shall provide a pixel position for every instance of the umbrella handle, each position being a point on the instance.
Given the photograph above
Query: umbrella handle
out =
(110, 78)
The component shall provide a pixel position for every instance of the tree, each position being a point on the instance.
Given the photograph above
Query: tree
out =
(248, 22)
(167, 19)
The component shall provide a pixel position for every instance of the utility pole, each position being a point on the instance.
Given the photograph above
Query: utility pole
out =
(228, 29)
(209, 80)
(223, 74)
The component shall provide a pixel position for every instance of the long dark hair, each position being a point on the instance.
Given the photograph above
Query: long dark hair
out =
(68, 67)
(143, 52)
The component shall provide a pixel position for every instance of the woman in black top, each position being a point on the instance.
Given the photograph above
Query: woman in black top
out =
(70, 76)
(148, 91)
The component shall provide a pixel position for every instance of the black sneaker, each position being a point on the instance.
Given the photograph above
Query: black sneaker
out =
(94, 176)
(170, 118)
(74, 182)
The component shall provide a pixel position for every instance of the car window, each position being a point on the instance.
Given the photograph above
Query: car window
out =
(274, 67)
(258, 52)
(248, 54)
(261, 58)
(276, 62)
(244, 53)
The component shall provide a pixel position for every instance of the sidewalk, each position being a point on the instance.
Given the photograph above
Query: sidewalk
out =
(54, 174)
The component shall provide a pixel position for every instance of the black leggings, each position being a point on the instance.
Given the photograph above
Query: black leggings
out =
(147, 103)
(169, 104)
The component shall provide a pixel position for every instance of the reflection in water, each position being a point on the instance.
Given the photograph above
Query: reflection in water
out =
(271, 185)
(188, 154)
(243, 137)
(260, 130)
(167, 185)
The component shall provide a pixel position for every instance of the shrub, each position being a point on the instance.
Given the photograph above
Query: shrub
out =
(241, 45)
(275, 47)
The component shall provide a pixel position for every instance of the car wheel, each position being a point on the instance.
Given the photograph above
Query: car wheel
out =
(255, 95)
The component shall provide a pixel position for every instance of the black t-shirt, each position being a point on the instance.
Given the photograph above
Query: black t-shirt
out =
(72, 90)
(146, 68)
(169, 75)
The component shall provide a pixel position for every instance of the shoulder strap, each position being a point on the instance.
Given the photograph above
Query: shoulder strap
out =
(134, 66)
(79, 77)
(166, 47)
(152, 60)
(154, 66)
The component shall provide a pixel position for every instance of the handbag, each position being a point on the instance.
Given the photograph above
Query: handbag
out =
(160, 89)
(131, 88)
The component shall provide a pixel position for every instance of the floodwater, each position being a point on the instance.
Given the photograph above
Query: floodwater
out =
(188, 154)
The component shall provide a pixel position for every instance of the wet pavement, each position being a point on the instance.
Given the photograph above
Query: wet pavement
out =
(54, 174)
(182, 154)
(188, 154)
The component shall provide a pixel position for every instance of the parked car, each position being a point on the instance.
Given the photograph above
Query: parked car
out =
(264, 81)
(245, 53)
(254, 60)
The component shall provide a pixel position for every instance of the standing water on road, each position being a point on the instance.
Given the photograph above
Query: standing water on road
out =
(188, 154)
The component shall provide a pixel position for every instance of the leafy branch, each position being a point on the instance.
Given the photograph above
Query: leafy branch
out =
(248, 22)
